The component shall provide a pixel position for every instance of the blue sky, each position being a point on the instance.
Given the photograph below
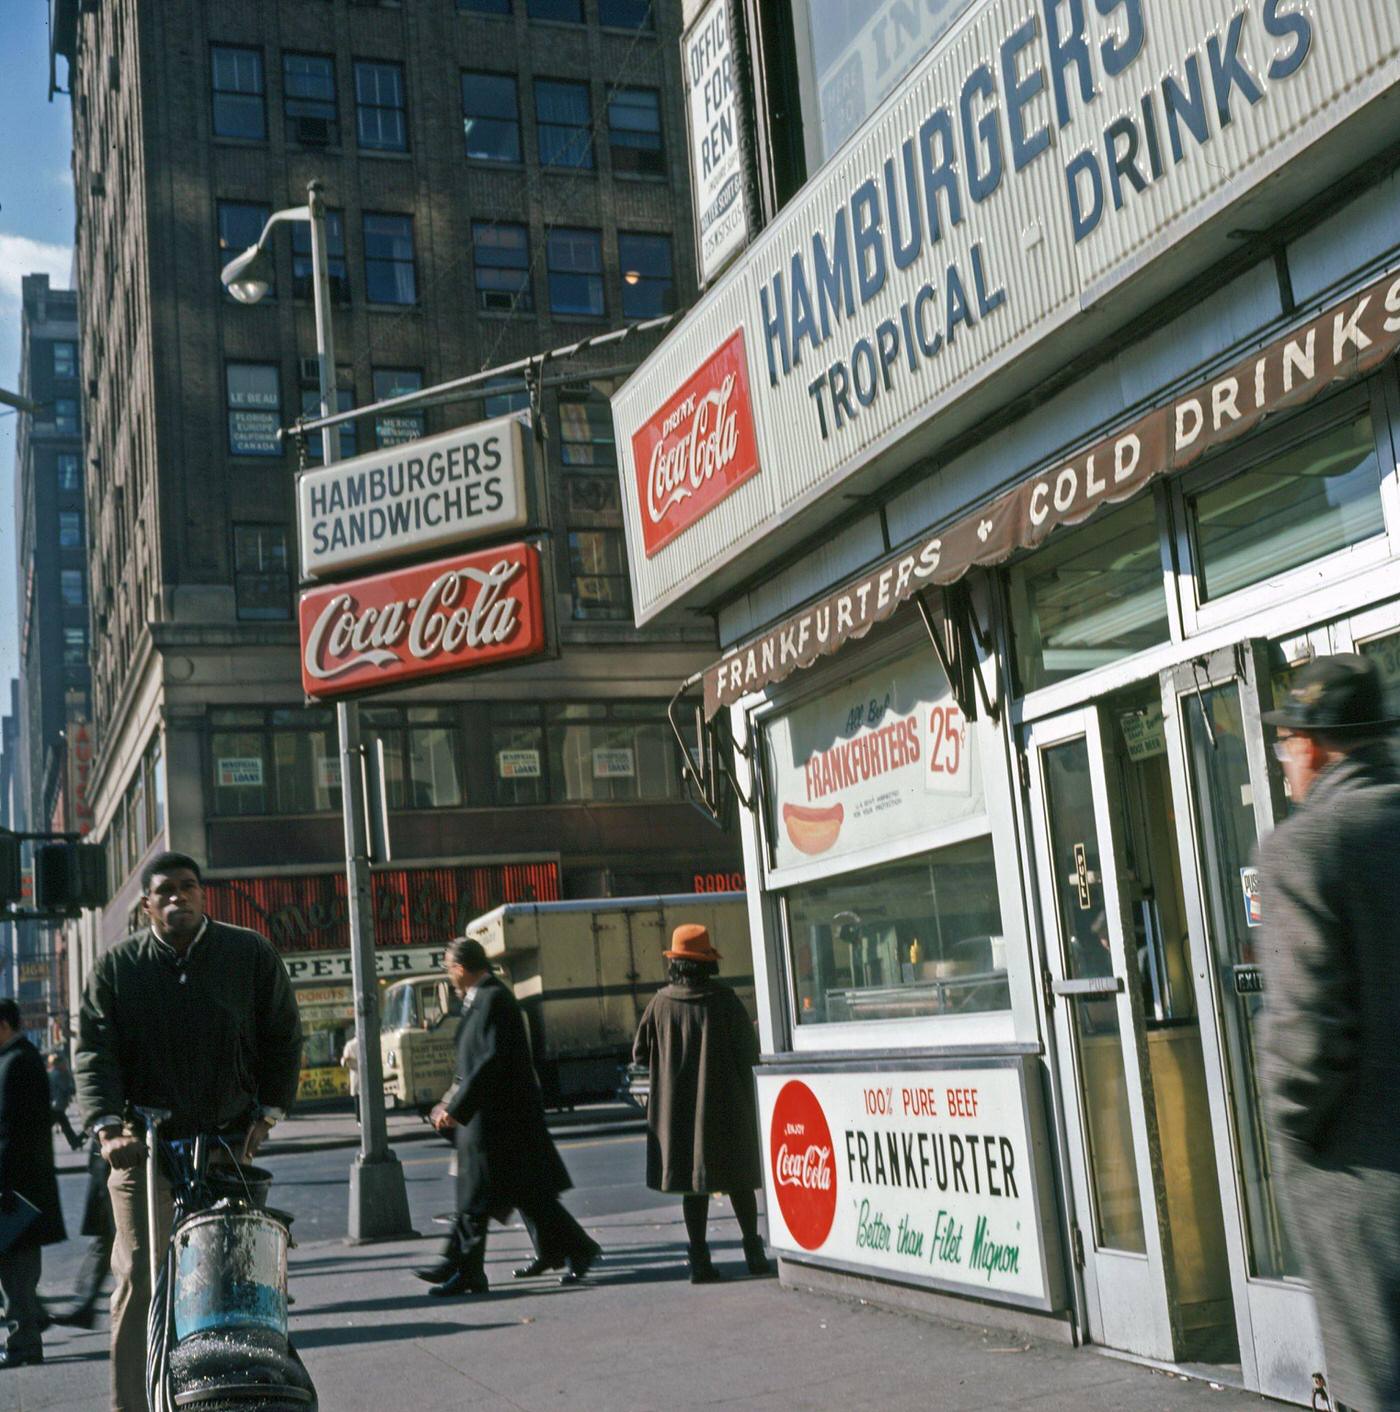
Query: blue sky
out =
(36, 236)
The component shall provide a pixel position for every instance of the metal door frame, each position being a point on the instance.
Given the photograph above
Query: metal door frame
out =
(1276, 1318)
(1128, 1301)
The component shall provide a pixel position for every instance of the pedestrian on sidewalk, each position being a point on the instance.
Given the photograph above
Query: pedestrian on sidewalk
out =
(189, 1015)
(1329, 1061)
(61, 1091)
(506, 1159)
(27, 1171)
(698, 1044)
(350, 1062)
(101, 1230)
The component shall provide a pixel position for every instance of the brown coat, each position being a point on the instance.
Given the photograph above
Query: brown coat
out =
(702, 1123)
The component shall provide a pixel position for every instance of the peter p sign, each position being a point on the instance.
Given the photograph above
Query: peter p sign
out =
(473, 610)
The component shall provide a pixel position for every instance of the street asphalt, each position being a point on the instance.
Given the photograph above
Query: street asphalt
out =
(636, 1336)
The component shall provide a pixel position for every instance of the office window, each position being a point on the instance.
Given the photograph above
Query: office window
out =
(308, 99)
(406, 425)
(648, 289)
(254, 409)
(389, 274)
(238, 93)
(74, 647)
(68, 472)
(590, 495)
(501, 255)
(586, 430)
(565, 123)
(65, 359)
(491, 117)
(344, 401)
(337, 272)
(65, 416)
(598, 570)
(261, 581)
(240, 224)
(576, 273)
(381, 120)
(70, 529)
(485, 7)
(519, 762)
(634, 132)
(70, 587)
(274, 762)
(570, 11)
(626, 14)
(501, 402)
(621, 751)
(422, 749)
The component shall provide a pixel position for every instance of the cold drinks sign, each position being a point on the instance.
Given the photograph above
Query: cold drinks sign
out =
(929, 1175)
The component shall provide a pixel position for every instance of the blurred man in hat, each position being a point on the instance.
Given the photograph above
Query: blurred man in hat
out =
(1330, 1063)
(698, 1042)
(506, 1159)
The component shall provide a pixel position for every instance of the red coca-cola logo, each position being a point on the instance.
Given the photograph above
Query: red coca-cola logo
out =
(452, 615)
(803, 1161)
(698, 447)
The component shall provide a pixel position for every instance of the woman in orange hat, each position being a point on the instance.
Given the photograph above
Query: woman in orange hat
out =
(699, 1045)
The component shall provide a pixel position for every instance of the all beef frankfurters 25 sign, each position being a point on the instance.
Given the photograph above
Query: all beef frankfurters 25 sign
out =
(472, 610)
(926, 1175)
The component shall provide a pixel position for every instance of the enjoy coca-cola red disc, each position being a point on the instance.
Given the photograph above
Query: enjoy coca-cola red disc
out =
(803, 1163)
(698, 447)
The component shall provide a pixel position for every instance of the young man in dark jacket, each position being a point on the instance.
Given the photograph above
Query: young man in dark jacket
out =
(26, 1170)
(195, 1017)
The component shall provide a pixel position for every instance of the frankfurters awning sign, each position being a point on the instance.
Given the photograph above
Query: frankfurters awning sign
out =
(452, 615)
(412, 499)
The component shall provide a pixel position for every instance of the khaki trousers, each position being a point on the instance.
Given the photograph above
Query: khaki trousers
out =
(131, 1268)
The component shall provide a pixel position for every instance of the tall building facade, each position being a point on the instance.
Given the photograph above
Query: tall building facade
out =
(53, 615)
(502, 178)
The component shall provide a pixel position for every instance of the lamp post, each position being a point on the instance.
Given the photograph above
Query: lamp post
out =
(378, 1198)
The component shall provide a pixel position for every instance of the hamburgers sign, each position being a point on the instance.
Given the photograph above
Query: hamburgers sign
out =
(472, 610)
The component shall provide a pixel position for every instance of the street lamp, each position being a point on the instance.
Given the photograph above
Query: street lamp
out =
(378, 1198)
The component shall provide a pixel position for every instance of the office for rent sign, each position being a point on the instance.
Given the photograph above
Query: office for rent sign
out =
(927, 1175)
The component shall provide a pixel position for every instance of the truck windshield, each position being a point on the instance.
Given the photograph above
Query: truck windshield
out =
(399, 1009)
(430, 998)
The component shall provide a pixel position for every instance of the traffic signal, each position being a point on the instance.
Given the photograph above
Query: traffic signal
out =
(11, 872)
(69, 876)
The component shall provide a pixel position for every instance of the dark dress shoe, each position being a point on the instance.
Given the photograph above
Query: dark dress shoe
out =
(21, 1360)
(460, 1283)
(579, 1266)
(83, 1317)
(537, 1266)
(437, 1273)
(756, 1258)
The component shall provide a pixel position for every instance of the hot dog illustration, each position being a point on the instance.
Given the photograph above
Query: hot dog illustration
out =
(813, 830)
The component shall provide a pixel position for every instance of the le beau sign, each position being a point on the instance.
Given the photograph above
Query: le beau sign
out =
(411, 499)
(473, 610)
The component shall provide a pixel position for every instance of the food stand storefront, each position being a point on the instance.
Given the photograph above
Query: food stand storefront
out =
(1016, 488)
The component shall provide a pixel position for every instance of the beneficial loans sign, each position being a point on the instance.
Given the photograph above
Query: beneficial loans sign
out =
(407, 500)
(925, 1175)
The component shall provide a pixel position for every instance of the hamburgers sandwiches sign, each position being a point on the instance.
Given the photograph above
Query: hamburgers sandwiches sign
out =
(451, 615)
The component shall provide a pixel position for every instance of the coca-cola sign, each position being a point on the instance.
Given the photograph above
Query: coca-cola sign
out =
(804, 1165)
(452, 615)
(697, 448)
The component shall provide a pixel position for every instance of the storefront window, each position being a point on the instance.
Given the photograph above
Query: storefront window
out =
(1385, 653)
(1089, 597)
(919, 937)
(1284, 511)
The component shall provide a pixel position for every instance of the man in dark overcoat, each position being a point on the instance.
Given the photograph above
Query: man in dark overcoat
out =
(506, 1159)
(1330, 1061)
(26, 1170)
(698, 1044)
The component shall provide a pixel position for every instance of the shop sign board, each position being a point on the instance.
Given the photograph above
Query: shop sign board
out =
(611, 763)
(716, 140)
(393, 963)
(1345, 341)
(80, 758)
(240, 771)
(518, 764)
(1001, 192)
(411, 499)
(452, 615)
(697, 447)
(933, 1176)
(883, 756)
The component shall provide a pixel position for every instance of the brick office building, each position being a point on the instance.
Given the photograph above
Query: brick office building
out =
(503, 178)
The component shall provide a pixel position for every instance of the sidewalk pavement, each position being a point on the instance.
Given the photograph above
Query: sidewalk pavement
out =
(636, 1336)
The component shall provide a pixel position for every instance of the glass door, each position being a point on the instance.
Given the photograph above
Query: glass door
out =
(1228, 798)
(1117, 1223)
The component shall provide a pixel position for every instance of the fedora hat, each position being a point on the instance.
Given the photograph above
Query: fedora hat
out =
(691, 942)
(1337, 695)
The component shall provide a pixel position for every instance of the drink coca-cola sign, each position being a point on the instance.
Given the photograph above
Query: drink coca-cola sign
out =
(803, 1163)
(697, 448)
(452, 615)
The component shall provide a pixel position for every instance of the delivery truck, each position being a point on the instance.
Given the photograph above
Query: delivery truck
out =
(583, 973)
